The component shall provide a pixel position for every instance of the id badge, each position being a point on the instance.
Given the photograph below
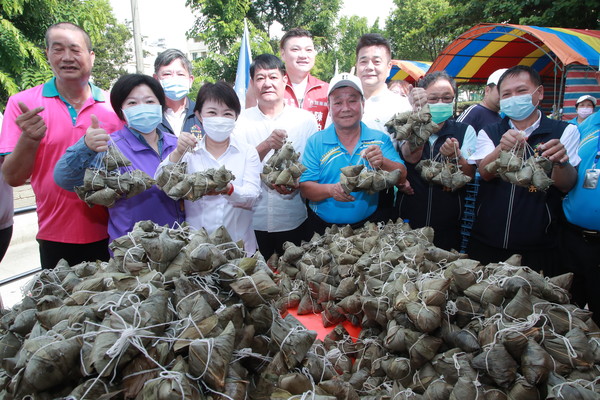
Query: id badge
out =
(591, 178)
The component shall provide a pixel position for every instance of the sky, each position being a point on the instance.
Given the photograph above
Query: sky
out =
(171, 23)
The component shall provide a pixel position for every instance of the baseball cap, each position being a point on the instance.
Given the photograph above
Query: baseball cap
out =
(345, 79)
(495, 76)
(584, 98)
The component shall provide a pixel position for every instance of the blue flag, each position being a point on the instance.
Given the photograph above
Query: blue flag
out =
(242, 78)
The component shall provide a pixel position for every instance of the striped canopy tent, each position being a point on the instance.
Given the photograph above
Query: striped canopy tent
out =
(481, 50)
(406, 70)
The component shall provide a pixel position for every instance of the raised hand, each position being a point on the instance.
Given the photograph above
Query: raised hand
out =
(96, 138)
(32, 125)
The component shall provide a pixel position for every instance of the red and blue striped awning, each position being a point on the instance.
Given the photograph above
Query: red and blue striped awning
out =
(474, 55)
(406, 70)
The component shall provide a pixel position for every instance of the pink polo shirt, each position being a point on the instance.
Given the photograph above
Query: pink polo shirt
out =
(62, 216)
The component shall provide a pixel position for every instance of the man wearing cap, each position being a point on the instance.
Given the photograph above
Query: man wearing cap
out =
(347, 141)
(584, 107)
(580, 241)
(486, 112)
(513, 219)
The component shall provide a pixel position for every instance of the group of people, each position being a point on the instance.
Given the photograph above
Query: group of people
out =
(53, 132)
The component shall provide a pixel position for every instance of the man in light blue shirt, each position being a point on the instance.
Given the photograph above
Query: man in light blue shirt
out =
(346, 142)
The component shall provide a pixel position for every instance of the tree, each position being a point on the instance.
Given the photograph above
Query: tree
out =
(23, 24)
(341, 47)
(111, 55)
(413, 30)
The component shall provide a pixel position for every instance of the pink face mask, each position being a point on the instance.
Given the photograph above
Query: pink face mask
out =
(584, 112)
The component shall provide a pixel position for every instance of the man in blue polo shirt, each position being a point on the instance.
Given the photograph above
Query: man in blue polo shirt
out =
(580, 242)
(347, 141)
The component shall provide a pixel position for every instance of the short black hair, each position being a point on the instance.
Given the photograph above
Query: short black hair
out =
(266, 61)
(534, 76)
(170, 55)
(373, 39)
(221, 92)
(292, 33)
(125, 84)
(71, 26)
(431, 78)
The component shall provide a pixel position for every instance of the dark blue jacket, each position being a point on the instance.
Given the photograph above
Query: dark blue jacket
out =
(191, 124)
(514, 217)
(431, 205)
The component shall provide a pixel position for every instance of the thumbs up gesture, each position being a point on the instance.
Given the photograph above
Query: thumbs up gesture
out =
(32, 125)
(96, 138)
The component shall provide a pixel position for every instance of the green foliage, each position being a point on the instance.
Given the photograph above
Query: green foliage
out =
(111, 55)
(341, 47)
(23, 24)
(413, 30)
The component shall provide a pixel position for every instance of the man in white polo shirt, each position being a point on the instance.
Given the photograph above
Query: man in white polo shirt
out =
(280, 214)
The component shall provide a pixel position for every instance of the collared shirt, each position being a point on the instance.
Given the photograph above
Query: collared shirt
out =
(381, 108)
(62, 216)
(70, 171)
(175, 119)
(275, 212)
(582, 205)
(569, 138)
(233, 212)
(325, 155)
(313, 99)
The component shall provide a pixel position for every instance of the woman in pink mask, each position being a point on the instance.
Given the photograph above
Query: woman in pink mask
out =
(585, 107)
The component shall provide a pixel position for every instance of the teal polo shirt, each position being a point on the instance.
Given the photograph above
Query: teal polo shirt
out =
(50, 90)
(324, 156)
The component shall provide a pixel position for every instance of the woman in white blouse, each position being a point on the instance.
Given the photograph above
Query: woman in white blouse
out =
(217, 107)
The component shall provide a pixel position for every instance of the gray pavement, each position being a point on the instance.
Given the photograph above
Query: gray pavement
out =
(22, 256)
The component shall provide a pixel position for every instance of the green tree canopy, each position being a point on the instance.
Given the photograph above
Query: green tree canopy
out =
(23, 24)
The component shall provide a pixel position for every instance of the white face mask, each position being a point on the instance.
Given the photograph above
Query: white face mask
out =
(218, 128)
(584, 112)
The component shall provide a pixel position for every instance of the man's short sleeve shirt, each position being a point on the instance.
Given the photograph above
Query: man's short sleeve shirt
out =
(324, 156)
(62, 216)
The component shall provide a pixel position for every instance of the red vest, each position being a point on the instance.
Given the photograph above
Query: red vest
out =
(315, 98)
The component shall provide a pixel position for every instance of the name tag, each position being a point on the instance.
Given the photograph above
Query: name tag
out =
(591, 178)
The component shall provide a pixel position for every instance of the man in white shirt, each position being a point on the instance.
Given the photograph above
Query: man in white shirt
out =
(373, 65)
(174, 72)
(512, 219)
(279, 215)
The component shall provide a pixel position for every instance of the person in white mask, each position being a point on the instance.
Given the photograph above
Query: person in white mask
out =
(584, 106)
(217, 107)
(138, 100)
(174, 72)
(513, 219)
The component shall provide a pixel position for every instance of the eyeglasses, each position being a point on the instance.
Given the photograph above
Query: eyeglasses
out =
(444, 99)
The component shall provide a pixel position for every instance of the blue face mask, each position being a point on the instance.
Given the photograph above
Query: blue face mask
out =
(518, 107)
(143, 118)
(176, 88)
(440, 112)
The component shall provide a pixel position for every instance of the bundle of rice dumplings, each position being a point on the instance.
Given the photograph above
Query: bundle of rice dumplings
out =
(446, 174)
(283, 167)
(513, 167)
(358, 178)
(177, 184)
(105, 184)
(413, 126)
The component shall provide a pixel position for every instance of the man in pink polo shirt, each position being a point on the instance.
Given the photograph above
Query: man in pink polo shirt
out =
(39, 124)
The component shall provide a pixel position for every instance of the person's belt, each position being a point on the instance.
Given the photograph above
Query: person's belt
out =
(588, 234)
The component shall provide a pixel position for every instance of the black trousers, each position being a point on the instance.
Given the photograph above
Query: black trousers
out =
(52, 252)
(5, 236)
(581, 256)
(544, 260)
(272, 242)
